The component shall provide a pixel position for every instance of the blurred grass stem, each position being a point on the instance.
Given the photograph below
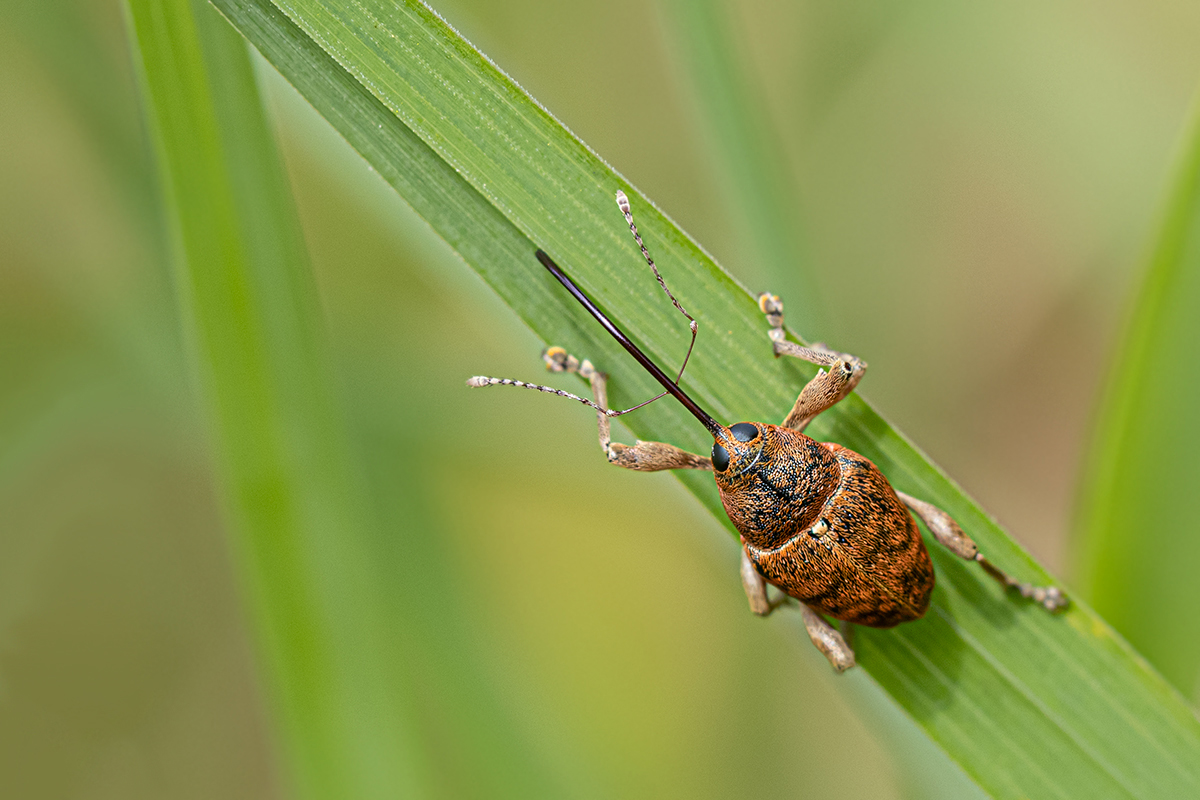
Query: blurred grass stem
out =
(1138, 552)
(747, 151)
(251, 316)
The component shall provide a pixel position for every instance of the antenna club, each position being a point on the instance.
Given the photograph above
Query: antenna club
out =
(478, 382)
(622, 202)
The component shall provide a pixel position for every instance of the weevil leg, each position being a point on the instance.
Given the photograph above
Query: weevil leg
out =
(828, 640)
(946, 531)
(642, 456)
(756, 588)
(839, 373)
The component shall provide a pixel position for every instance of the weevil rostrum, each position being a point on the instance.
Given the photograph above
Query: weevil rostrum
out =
(817, 520)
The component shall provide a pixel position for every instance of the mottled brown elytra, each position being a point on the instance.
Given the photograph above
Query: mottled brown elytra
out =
(817, 520)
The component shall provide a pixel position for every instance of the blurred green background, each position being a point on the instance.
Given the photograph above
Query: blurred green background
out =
(977, 187)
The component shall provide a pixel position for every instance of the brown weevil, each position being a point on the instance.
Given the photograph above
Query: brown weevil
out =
(817, 520)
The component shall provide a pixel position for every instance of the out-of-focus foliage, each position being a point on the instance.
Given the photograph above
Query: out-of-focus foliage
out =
(1140, 526)
(746, 152)
(978, 180)
(124, 668)
(301, 524)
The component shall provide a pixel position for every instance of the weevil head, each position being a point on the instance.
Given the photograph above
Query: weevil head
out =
(773, 481)
(737, 449)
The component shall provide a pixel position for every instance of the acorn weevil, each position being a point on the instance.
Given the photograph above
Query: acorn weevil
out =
(817, 520)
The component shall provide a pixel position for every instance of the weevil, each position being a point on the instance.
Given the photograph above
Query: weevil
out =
(817, 521)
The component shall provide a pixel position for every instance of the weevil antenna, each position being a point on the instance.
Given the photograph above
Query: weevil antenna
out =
(671, 386)
(623, 204)
(479, 381)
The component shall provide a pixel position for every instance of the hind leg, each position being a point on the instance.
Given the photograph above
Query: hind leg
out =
(946, 531)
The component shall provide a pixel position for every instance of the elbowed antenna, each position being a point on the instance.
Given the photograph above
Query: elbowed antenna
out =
(672, 388)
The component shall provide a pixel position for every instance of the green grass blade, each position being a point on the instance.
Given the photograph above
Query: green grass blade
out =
(1030, 705)
(250, 311)
(1139, 551)
(745, 144)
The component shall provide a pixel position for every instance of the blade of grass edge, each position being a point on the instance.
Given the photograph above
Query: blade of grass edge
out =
(249, 310)
(1028, 704)
(1137, 552)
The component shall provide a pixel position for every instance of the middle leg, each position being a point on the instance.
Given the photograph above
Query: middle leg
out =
(824, 636)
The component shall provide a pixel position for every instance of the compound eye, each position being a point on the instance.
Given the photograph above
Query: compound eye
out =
(720, 458)
(744, 431)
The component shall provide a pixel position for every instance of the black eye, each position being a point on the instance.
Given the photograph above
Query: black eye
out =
(744, 431)
(720, 457)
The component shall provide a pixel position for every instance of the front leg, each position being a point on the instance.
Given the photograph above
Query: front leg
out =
(642, 456)
(840, 374)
